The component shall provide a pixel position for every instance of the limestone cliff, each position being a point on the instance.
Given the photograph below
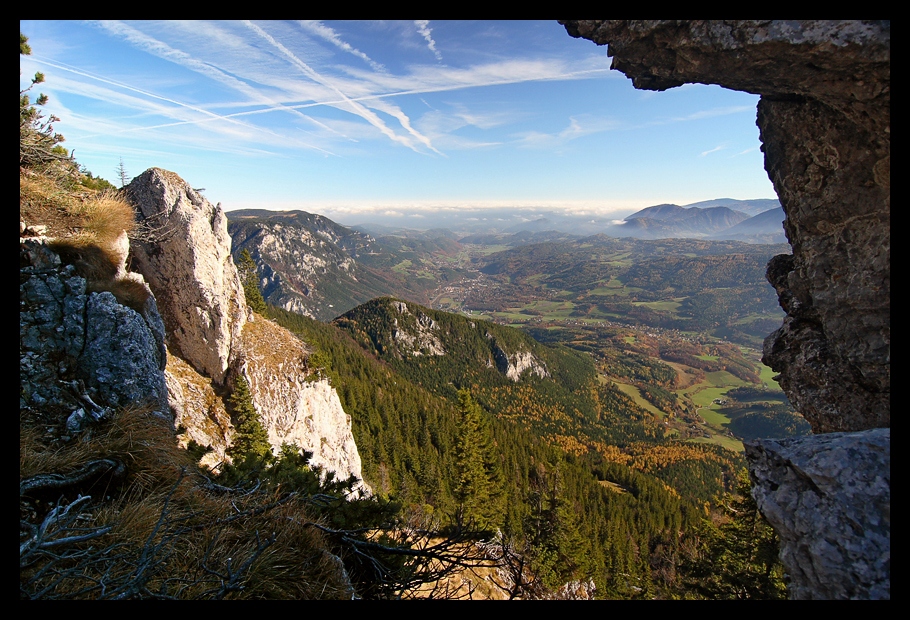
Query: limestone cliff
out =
(296, 405)
(186, 256)
(825, 124)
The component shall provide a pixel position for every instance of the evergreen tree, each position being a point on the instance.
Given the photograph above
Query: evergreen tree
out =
(122, 174)
(250, 438)
(249, 277)
(478, 485)
(736, 557)
(560, 552)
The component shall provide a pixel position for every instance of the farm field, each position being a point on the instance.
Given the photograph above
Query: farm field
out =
(675, 324)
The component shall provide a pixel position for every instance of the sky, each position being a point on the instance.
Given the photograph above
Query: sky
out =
(354, 118)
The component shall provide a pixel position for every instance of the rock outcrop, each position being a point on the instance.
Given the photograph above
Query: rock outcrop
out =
(82, 354)
(515, 364)
(418, 335)
(185, 256)
(825, 117)
(296, 405)
(817, 493)
(825, 121)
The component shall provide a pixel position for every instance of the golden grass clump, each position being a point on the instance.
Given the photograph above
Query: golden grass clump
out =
(166, 521)
(87, 230)
(105, 217)
(143, 440)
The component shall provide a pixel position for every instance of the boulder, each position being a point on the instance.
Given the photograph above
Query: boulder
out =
(828, 497)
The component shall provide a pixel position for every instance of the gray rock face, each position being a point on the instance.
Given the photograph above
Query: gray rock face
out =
(829, 499)
(82, 351)
(187, 262)
(825, 123)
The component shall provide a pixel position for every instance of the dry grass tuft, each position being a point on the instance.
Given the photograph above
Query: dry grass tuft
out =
(140, 438)
(92, 217)
(129, 293)
(105, 217)
(92, 262)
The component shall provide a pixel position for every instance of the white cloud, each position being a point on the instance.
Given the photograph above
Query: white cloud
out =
(579, 127)
(329, 34)
(348, 104)
(423, 27)
(720, 147)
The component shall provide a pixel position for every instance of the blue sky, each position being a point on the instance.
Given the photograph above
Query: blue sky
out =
(351, 118)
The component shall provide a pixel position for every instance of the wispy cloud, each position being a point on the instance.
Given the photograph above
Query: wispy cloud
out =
(162, 50)
(578, 127)
(329, 34)
(719, 147)
(351, 105)
(423, 27)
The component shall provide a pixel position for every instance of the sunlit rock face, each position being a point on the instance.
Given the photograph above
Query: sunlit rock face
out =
(825, 123)
(185, 256)
(295, 404)
(514, 365)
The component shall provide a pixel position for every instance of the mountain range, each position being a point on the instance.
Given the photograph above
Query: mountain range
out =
(311, 265)
(710, 219)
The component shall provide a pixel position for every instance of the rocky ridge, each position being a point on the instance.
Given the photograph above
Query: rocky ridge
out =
(307, 264)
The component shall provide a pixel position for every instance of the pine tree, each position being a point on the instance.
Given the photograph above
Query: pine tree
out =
(122, 174)
(39, 144)
(249, 277)
(479, 485)
(736, 557)
(250, 438)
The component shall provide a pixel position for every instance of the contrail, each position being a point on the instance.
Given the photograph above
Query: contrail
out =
(357, 109)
